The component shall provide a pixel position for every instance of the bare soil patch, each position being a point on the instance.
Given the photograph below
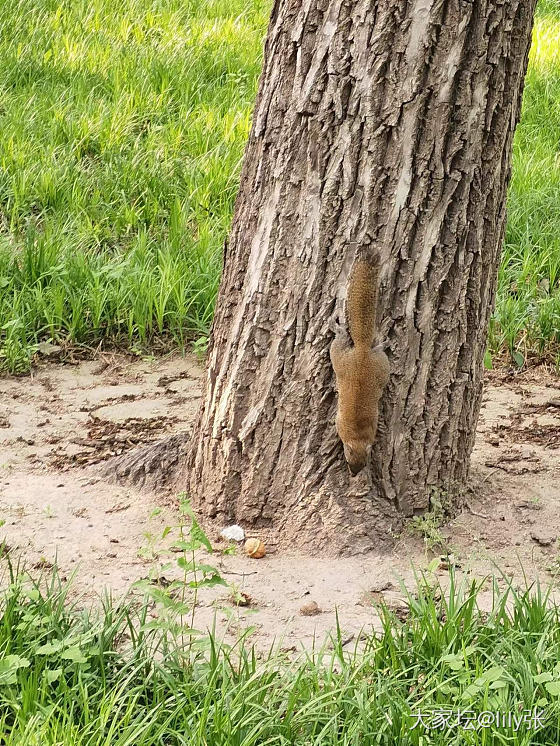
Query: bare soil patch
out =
(60, 426)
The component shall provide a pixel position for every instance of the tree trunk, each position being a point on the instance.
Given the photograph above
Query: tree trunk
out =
(380, 123)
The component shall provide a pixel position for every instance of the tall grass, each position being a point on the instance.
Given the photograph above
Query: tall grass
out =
(123, 126)
(81, 678)
(527, 317)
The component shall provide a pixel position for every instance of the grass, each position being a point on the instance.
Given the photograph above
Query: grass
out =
(82, 678)
(123, 126)
(527, 317)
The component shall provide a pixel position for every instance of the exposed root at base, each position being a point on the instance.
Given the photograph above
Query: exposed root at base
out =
(152, 466)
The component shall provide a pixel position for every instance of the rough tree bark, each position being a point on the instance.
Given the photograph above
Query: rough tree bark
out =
(386, 123)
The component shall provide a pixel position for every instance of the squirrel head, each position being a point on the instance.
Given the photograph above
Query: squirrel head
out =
(356, 455)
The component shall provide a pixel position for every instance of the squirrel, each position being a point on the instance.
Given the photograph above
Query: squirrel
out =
(361, 370)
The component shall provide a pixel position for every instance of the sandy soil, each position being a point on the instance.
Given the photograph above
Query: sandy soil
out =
(59, 425)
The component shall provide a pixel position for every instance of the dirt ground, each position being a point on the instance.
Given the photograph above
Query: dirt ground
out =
(59, 425)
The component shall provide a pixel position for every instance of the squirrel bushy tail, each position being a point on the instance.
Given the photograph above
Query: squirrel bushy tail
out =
(362, 302)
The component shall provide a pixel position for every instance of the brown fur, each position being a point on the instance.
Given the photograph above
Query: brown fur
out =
(361, 371)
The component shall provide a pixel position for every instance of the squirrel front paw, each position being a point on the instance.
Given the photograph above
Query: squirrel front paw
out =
(336, 327)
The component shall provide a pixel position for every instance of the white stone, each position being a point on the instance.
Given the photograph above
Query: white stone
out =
(233, 533)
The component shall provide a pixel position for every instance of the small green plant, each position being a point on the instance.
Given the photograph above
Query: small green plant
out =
(175, 600)
(429, 524)
(238, 597)
(149, 551)
(200, 347)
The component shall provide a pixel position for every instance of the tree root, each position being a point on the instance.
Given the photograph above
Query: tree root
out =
(152, 466)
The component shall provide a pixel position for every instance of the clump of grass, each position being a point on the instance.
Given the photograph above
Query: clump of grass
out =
(78, 677)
